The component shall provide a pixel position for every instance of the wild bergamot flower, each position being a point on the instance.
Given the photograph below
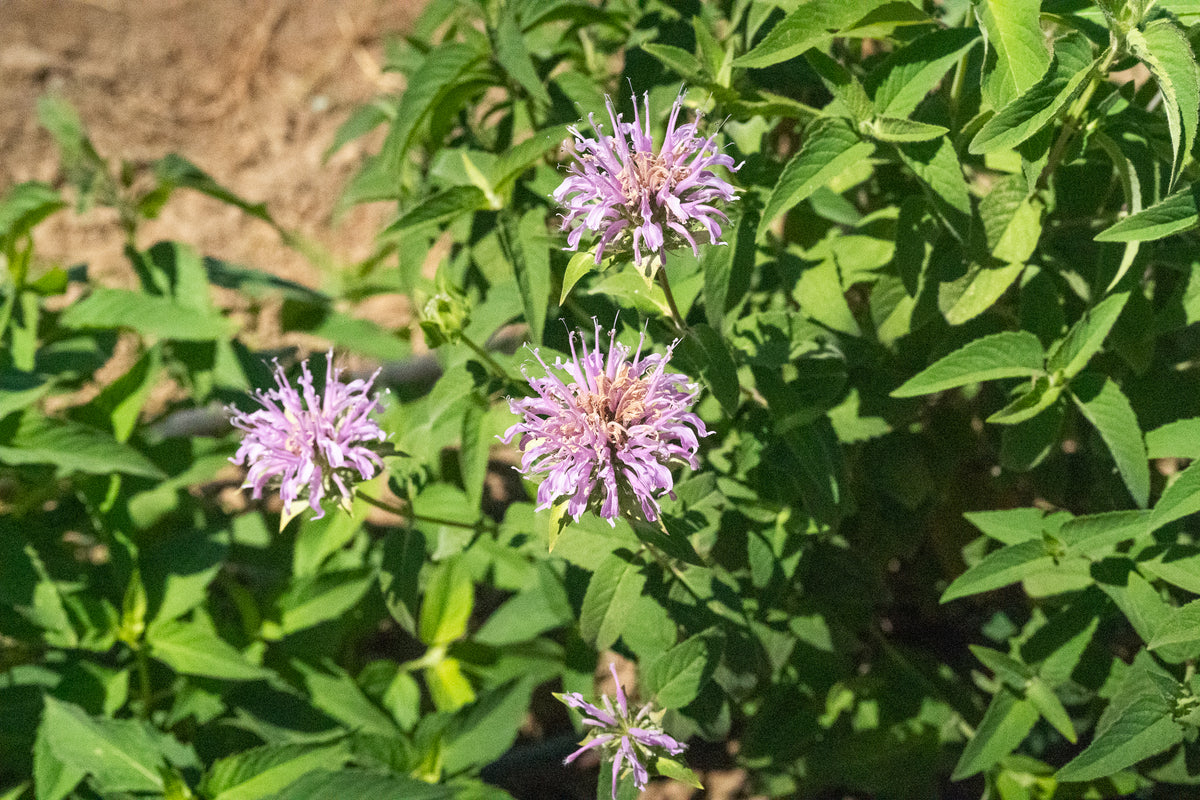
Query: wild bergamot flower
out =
(629, 740)
(640, 199)
(608, 430)
(310, 444)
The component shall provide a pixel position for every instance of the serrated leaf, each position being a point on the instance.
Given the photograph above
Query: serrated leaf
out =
(1178, 439)
(1051, 708)
(964, 299)
(513, 54)
(1181, 628)
(1001, 568)
(675, 677)
(1011, 354)
(1107, 408)
(1180, 498)
(912, 71)
(256, 773)
(438, 209)
(676, 58)
(807, 26)
(438, 73)
(1009, 526)
(1173, 214)
(1014, 33)
(717, 367)
(149, 315)
(936, 165)
(611, 596)
(528, 248)
(192, 649)
(313, 599)
(829, 149)
(24, 206)
(334, 691)
(120, 754)
(72, 447)
(1012, 220)
(1094, 534)
(1005, 725)
(1086, 336)
(1164, 48)
(1137, 724)
(1033, 108)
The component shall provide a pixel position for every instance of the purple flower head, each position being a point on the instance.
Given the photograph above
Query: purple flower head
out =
(630, 740)
(310, 444)
(641, 199)
(607, 429)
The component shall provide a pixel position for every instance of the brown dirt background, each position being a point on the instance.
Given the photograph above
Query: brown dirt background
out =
(251, 91)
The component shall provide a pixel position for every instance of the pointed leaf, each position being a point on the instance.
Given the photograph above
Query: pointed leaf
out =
(1001, 568)
(1107, 408)
(1173, 214)
(611, 597)
(1001, 355)
(807, 26)
(1086, 336)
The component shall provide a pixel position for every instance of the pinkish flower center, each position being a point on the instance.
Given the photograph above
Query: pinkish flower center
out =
(615, 406)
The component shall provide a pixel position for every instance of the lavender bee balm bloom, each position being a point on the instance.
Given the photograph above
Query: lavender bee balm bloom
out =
(310, 444)
(607, 429)
(635, 197)
(628, 739)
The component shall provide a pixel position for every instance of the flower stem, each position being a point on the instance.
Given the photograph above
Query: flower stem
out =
(410, 514)
(488, 361)
(676, 317)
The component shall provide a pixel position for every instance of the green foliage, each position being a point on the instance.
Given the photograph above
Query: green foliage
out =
(959, 283)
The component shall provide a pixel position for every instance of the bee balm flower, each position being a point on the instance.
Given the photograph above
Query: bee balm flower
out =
(608, 429)
(310, 444)
(635, 197)
(628, 739)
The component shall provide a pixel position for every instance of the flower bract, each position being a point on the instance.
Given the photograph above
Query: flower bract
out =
(641, 198)
(308, 443)
(604, 427)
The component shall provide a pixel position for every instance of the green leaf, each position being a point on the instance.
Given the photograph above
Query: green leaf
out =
(899, 129)
(1011, 354)
(611, 596)
(580, 264)
(333, 691)
(121, 401)
(1012, 219)
(1030, 110)
(1013, 31)
(19, 390)
(149, 315)
(717, 367)
(1095, 534)
(1137, 724)
(1042, 395)
(427, 86)
(190, 648)
(718, 265)
(936, 165)
(676, 58)
(1000, 568)
(1181, 628)
(528, 248)
(829, 148)
(974, 293)
(513, 54)
(808, 26)
(1005, 724)
(403, 556)
(256, 773)
(313, 599)
(1180, 498)
(321, 784)
(912, 71)
(1009, 526)
(174, 170)
(120, 754)
(483, 732)
(1165, 49)
(1086, 336)
(676, 677)
(1178, 439)
(540, 607)
(23, 207)
(438, 209)
(72, 447)
(676, 771)
(1107, 408)
(449, 598)
(1173, 214)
